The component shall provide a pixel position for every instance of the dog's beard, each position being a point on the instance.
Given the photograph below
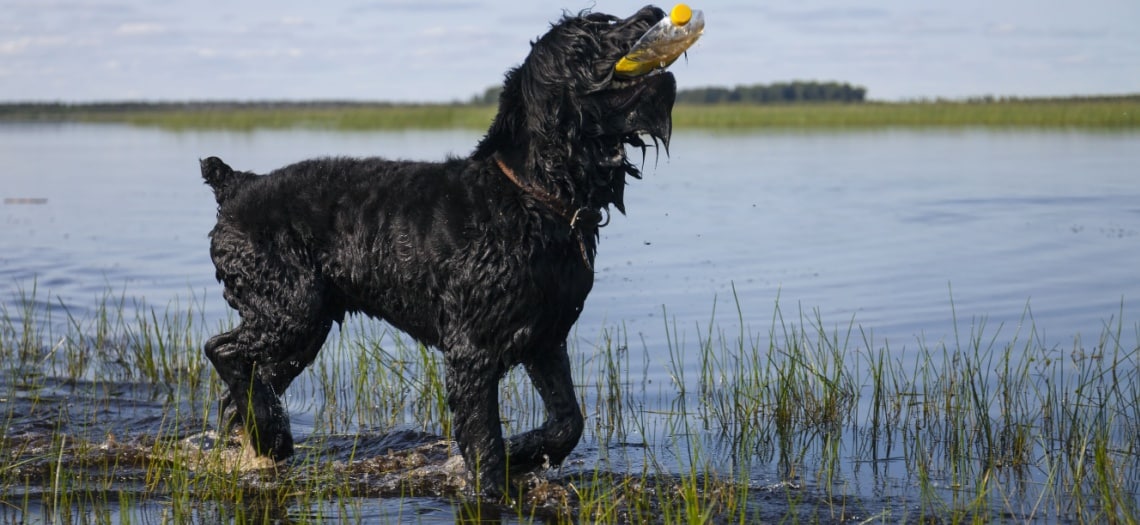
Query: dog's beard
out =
(633, 114)
(645, 107)
(638, 141)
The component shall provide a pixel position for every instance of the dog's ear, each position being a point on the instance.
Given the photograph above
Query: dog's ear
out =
(534, 90)
(533, 101)
(510, 132)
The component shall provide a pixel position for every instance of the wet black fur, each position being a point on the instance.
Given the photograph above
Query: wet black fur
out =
(454, 253)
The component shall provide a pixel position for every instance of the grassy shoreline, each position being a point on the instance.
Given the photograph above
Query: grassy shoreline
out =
(1107, 113)
(775, 426)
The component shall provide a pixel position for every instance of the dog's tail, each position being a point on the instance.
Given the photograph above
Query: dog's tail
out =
(222, 178)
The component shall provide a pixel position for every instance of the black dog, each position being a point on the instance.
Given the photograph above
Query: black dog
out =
(488, 258)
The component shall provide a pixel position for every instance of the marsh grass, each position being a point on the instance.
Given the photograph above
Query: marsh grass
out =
(250, 116)
(804, 421)
(1123, 113)
(1106, 113)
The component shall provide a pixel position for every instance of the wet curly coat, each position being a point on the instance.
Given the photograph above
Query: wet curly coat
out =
(487, 258)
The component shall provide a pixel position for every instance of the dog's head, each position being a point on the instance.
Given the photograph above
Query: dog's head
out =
(566, 118)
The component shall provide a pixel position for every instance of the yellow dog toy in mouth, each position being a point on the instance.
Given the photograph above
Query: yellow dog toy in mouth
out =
(663, 43)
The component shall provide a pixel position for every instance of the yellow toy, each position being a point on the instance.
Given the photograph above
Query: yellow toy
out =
(663, 43)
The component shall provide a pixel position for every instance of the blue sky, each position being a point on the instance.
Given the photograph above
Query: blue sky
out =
(442, 50)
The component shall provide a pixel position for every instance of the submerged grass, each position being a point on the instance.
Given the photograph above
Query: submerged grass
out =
(108, 419)
(1109, 113)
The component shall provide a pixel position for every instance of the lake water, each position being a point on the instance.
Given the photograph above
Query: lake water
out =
(894, 232)
(883, 228)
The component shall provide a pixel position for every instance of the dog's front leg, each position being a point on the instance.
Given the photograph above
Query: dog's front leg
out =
(473, 397)
(559, 434)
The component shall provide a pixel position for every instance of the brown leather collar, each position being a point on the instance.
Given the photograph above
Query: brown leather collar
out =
(580, 217)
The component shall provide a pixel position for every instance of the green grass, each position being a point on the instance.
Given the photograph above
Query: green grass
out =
(357, 119)
(250, 116)
(777, 425)
(1084, 113)
(1075, 113)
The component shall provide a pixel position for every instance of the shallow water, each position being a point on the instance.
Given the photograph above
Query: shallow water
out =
(897, 233)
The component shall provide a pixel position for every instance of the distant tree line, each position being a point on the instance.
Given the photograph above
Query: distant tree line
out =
(777, 93)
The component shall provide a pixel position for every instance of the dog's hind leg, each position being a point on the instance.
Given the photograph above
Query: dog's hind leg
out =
(227, 411)
(249, 397)
(559, 434)
(285, 316)
(260, 358)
